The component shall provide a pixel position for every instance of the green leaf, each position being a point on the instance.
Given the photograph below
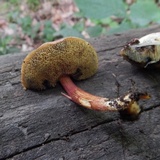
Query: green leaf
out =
(34, 31)
(98, 9)
(79, 26)
(14, 2)
(4, 41)
(33, 4)
(65, 32)
(48, 31)
(144, 11)
(124, 26)
(13, 16)
(95, 31)
(26, 24)
(26, 21)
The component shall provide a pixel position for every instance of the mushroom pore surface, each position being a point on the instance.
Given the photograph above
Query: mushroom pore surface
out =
(68, 56)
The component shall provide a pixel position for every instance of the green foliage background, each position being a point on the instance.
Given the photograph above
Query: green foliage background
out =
(118, 15)
(108, 17)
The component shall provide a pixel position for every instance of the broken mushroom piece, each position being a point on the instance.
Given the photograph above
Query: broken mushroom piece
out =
(73, 57)
(143, 52)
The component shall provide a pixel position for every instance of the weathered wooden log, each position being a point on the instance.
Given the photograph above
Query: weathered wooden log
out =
(46, 125)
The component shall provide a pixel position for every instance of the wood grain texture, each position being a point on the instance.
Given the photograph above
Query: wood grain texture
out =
(46, 125)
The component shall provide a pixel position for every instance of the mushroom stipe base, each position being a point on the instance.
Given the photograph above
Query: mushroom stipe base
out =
(127, 104)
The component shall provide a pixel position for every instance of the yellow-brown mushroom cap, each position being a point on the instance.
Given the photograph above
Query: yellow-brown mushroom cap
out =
(68, 56)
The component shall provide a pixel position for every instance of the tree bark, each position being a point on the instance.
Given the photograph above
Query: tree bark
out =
(46, 125)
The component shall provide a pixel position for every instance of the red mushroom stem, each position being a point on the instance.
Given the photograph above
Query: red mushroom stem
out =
(99, 103)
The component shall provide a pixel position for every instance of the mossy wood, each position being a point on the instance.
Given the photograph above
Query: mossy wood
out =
(46, 125)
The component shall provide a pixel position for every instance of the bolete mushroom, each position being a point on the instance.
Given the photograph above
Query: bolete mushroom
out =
(76, 58)
(143, 52)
